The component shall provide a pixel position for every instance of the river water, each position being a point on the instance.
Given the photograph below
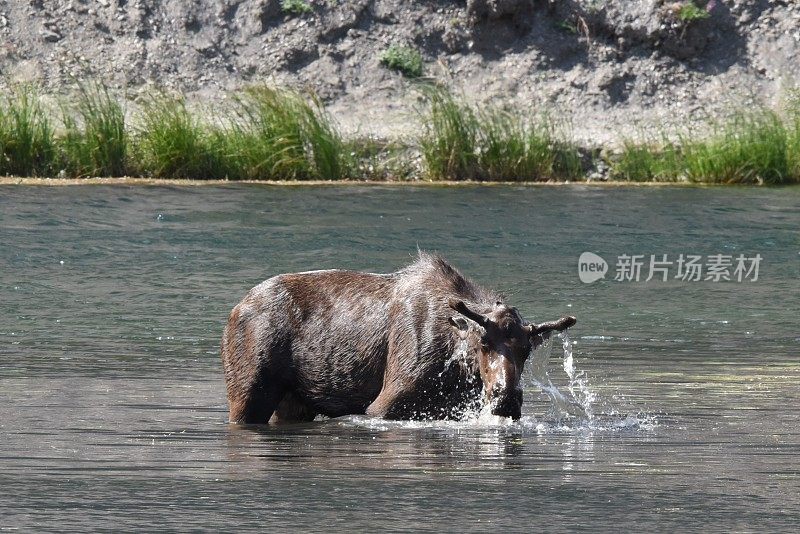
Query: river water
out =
(112, 404)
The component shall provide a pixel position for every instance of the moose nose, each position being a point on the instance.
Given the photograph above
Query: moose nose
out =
(507, 403)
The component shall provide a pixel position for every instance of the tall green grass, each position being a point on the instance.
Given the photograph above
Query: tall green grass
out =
(512, 150)
(27, 146)
(95, 140)
(649, 161)
(449, 144)
(275, 134)
(172, 143)
(268, 133)
(753, 147)
(463, 143)
(793, 128)
(747, 148)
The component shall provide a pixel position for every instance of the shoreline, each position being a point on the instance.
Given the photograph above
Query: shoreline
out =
(270, 135)
(150, 182)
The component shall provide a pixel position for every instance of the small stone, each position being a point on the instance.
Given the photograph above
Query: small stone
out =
(50, 36)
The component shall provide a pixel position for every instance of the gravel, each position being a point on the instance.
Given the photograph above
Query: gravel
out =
(610, 68)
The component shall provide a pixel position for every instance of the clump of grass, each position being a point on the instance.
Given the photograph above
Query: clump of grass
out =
(27, 146)
(460, 143)
(449, 144)
(651, 161)
(95, 141)
(274, 134)
(793, 136)
(566, 26)
(171, 143)
(746, 148)
(403, 59)
(296, 7)
(512, 150)
(690, 12)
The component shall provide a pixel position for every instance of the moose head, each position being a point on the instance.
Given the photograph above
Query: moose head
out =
(501, 345)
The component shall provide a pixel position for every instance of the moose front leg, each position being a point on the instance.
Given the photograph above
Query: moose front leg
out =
(418, 396)
(406, 380)
(393, 403)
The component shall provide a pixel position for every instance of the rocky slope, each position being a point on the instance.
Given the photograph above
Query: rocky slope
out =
(608, 66)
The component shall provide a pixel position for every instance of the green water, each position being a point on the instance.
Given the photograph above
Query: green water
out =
(112, 406)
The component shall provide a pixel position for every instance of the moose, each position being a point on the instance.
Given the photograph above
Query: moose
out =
(338, 342)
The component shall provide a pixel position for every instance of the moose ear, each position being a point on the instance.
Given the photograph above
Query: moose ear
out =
(460, 307)
(541, 332)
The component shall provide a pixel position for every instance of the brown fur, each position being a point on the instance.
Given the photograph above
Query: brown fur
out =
(344, 342)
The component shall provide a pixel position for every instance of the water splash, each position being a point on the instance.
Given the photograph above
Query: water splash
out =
(570, 412)
(578, 383)
(578, 403)
(572, 408)
(459, 356)
(528, 424)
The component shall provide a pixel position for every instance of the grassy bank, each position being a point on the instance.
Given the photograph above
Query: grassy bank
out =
(265, 134)
(461, 142)
(758, 146)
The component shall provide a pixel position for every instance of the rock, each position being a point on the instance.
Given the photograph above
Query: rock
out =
(337, 25)
(50, 36)
(206, 47)
(496, 9)
(632, 58)
(616, 84)
(455, 38)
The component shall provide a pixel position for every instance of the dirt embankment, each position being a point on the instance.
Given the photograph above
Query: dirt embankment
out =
(606, 65)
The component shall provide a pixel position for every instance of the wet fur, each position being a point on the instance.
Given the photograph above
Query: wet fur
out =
(345, 342)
